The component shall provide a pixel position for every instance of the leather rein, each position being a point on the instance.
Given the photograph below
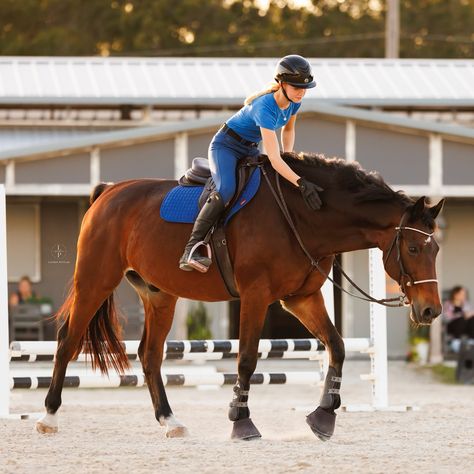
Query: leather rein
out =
(404, 280)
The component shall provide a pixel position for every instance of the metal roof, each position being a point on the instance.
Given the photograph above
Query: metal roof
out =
(148, 133)
(13, 138)
(226, 81)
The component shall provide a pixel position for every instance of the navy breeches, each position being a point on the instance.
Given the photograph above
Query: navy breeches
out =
(224, 154)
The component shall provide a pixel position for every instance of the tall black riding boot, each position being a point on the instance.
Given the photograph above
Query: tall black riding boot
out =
(207, 217)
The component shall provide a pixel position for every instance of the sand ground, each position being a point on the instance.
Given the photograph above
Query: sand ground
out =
(114, 430)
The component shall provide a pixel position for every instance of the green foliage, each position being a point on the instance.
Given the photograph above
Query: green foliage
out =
(40, 300)
(419, 333)
(444, 374)
(327, 28)
(198, 323)
(441, 372)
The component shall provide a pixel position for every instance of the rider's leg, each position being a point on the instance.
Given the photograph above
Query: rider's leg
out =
(223, 161)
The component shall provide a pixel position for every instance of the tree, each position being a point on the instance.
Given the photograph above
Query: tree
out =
(325, 28)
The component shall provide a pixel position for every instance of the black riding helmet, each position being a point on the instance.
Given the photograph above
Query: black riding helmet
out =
(296, 71)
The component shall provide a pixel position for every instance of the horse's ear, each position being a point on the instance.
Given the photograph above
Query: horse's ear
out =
(418, 208)
(435, 210)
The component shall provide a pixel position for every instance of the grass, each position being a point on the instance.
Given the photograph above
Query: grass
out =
(443, 373)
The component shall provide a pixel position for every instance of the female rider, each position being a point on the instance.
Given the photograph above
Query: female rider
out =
(262, 114)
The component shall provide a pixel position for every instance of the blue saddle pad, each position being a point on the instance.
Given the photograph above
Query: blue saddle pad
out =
(181, 203)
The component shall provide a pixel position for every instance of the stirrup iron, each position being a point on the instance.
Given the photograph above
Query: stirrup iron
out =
(200, 267)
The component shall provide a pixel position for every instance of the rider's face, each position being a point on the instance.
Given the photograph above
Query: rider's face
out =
(296, 94)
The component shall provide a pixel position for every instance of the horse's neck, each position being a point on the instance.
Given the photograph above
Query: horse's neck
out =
(349, 226)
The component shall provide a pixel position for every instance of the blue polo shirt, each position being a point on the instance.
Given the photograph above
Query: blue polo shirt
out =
(262, 112)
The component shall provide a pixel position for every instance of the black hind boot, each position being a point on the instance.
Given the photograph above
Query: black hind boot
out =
(207, 217)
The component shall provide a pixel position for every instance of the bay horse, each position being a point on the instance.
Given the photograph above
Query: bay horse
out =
(122, 234)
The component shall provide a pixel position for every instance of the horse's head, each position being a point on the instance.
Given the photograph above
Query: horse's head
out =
(410, 259)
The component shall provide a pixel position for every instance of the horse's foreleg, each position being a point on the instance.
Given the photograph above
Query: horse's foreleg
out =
(310, 310)
(252, 317)
(159, 310)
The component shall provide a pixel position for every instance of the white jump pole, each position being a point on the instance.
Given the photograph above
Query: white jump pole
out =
(4, 353)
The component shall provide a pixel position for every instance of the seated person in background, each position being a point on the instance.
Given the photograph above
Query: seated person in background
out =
(24, 293)
(458, 315)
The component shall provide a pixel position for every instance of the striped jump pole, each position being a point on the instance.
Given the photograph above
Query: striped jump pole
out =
(31, 351)
(186, 380)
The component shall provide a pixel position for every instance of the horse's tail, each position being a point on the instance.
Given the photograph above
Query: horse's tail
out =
(98, 190)
(102, 340)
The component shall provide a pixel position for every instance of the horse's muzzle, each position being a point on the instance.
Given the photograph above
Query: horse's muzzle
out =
(426, 314)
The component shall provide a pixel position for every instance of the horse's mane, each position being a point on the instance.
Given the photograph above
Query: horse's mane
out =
(365, 186)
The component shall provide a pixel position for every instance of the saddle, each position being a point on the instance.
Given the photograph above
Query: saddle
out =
(199, 184)
(200, 174)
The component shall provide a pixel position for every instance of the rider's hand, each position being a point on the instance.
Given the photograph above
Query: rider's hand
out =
(310, 194)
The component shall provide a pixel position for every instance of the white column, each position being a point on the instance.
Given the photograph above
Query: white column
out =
(4, 358)
(436, 328)
(328, 295)
(436, 165)
(181, 160)
(95, 166)
(378, 330)
(10, 175)
(347, 300)
(350, 141)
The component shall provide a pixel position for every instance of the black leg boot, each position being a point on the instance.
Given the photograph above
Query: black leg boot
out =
(207, 217)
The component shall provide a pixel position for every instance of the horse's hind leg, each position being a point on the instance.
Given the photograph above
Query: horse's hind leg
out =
(159, 311)
(310, 310)
(90, 296)
(252, 317)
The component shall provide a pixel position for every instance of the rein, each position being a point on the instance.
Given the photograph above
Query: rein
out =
(401, 300)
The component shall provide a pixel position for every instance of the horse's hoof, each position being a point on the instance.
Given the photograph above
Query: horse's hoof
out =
(245, 429)
(45, 429)
(322, 423)
(177, 432)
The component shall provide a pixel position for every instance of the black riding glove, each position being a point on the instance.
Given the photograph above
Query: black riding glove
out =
(310, 194)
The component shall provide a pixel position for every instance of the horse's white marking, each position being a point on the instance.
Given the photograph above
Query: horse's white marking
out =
(170, 422)
(174, 428)
(49, 420)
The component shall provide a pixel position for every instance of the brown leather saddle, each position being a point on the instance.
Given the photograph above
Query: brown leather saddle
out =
(200, 174)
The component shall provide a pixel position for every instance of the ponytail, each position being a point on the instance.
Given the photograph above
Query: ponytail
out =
(272, 87)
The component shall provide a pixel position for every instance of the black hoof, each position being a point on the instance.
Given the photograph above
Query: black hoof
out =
(322, 423)
(245, 429)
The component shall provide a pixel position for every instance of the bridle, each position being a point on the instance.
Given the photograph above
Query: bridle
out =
(404, 280)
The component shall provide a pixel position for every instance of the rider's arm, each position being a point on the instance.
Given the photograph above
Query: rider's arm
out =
(288, 134)
(272, 147)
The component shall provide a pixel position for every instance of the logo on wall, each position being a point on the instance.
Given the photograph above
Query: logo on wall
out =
(59, 254)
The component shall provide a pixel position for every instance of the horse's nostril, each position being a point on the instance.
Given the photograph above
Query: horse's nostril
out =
(428, 314)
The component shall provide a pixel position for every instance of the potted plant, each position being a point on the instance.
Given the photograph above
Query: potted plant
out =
(419, 344)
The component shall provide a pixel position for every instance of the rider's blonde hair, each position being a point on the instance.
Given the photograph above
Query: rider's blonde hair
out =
(272, 87)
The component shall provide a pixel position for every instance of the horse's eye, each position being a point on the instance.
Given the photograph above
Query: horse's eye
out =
(412, 250)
